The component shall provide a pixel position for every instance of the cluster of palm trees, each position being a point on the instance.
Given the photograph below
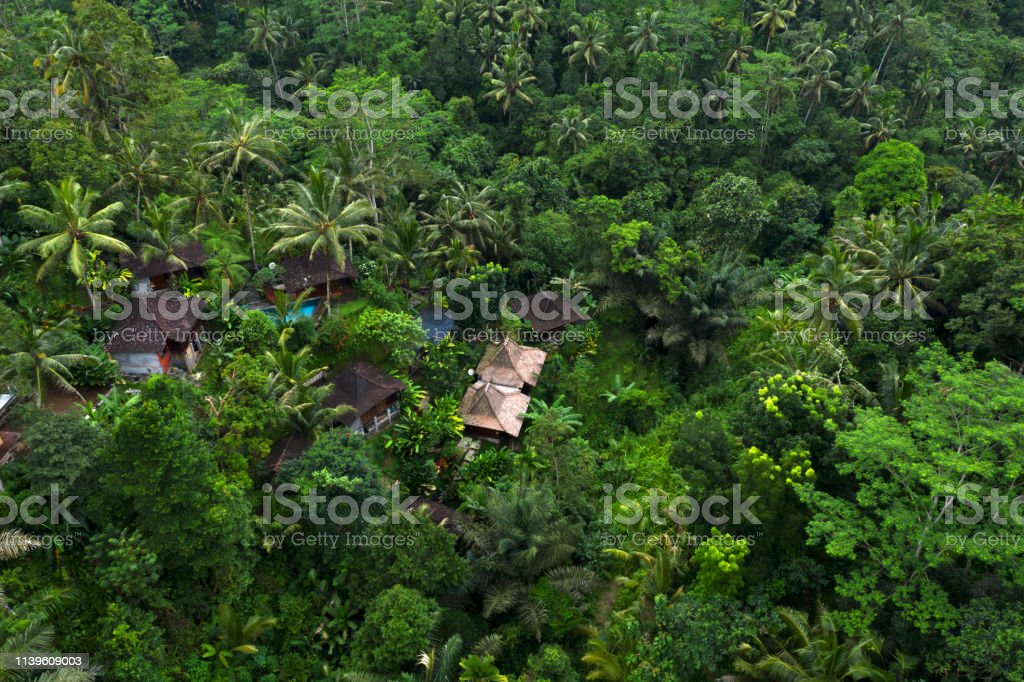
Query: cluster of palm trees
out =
(900, 256)
(350, 201)
(815, 648)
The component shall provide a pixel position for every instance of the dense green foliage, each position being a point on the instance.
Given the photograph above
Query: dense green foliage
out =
(796, 238)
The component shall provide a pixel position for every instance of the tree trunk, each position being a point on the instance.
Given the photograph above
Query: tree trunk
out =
(273, 65)
(39, 387)
(996, 178)
(248, 215)
(327, 282)
(885, 54)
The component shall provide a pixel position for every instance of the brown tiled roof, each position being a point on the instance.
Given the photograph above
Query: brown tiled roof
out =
(170, 318)
(441, 514)
(193, 255)
(289, 447)
(549, 310)
(494, 407)
(8, 442)
(362, 386)
(509, 364)
(301, 273)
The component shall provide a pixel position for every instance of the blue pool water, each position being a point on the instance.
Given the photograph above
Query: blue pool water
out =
(307, 309)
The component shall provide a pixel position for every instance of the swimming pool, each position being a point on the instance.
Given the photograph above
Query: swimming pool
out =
(307, 309)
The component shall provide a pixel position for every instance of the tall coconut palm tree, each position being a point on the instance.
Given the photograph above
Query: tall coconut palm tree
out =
(833, 274)
(644, 33)
(861, 88)
(311, 72)
(406, 245)
(908, 261)
(454, 11)
(71, 62)
(470, 212)
(881, 128)
(30, 355)
(319, 220)
(774, 16)
(815, 51)
(590, 38)
(492, 13)
(139, 165)
(227, 266)
(898, 21)
(816, 82)
(246, 143)
(73, 229)
(509, 77)
(203, 197)
(924, 90)
(571, 130)
(488, 47)
(458, 257)
(357, 177)
(290, 372)
(739, 52)
(163, 234)
(266, 34)
(1009, 155)
(303, 411)
(530, 16)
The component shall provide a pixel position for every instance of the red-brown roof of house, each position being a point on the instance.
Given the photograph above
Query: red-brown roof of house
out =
(153, 320)
(362, 386)
(494, 407)
(301, 272)
(549, 310)
(509, 364)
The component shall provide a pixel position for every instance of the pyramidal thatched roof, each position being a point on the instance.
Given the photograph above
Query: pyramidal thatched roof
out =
(494, 407)
(509, 364)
